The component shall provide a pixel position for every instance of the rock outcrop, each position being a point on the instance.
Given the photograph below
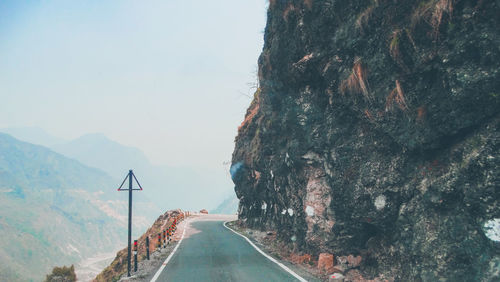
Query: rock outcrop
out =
(374, 134)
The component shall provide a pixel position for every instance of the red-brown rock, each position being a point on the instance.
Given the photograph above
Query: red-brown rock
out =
(300, 259)
(325, 262)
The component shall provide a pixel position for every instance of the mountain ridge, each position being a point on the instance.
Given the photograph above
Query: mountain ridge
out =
(84, 209)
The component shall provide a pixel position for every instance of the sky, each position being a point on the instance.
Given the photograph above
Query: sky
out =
(172, 78)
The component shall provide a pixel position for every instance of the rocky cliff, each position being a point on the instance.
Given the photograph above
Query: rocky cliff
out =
(375, 132)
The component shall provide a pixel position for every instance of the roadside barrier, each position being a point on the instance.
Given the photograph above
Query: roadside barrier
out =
(159, 241)
(135, 255)
(147, 247)
(164, 239)
(168, 233)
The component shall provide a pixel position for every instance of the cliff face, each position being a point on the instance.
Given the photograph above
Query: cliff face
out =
(375, 132)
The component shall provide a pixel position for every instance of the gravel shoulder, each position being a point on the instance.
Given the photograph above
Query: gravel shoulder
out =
(267, 242)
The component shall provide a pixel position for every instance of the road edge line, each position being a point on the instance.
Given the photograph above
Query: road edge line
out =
(268, 256)
(164, 264)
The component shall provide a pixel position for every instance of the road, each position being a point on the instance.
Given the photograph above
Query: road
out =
(210, 252)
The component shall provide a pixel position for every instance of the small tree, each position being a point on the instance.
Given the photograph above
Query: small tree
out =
(62, 274)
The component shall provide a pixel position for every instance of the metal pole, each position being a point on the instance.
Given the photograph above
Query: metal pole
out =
(129, 218)
(147, 247)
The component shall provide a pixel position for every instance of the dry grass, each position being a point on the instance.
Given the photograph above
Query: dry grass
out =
(252, 111)
(441, 7)
(368, 115)
(394, 49)
(308, 3)
(356, 82)
(287, 11)
(422, 12)
(410, 38)
(421, 113)
(364, 18)
(394, 46)
(396, 96)
(432, 12)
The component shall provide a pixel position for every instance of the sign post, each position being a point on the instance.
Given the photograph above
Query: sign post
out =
(130, 175)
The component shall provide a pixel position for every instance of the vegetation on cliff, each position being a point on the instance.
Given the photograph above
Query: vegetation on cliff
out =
(374, 133)
(62, 274)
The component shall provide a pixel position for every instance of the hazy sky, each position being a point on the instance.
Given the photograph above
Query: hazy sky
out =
(168, 77)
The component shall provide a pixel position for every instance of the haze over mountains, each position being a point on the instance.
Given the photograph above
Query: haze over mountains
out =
(96, 150)
(74, 185)
(161, 182)
(34, 135)
(55, 210)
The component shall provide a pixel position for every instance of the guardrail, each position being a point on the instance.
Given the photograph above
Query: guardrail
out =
(167, 233)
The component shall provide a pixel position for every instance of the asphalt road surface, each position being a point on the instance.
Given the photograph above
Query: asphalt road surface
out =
(210, 252)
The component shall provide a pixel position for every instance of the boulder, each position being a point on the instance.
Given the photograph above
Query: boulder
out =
(325, 262)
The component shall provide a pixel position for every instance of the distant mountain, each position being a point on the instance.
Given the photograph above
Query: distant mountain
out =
(97, 150)
(229, 206)
(34, 135)
(168, 187)
(57, 211)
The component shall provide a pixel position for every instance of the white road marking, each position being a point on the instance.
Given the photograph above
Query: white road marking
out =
(268, 256)
(171, 254)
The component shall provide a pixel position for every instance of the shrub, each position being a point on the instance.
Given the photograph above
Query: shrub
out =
(62, 274)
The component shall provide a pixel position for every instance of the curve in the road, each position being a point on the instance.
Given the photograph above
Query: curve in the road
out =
(164, 264)
(214, 253)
